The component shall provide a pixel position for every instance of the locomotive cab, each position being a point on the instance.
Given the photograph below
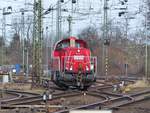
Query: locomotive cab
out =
(72, 63)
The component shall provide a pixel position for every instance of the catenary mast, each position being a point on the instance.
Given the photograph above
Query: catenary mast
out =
(37, 44)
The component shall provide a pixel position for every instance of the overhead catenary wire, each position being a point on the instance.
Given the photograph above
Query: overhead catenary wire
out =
(83, 11)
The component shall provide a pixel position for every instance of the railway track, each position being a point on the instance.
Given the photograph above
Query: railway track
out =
(18, 95)
(33, 98)
(37, 99)
(106, 99)
(24, 93)
(12, 95)
(113, 103)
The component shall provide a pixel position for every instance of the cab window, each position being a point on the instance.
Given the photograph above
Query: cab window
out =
(59, 46)
(77, 45)
(65, 44)
(72, 43)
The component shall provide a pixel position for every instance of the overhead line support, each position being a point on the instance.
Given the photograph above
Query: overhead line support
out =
(37, 44)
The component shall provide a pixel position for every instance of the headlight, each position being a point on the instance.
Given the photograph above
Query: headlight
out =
(87, 68)
(71, 68)
(92, 66)
(66, 68)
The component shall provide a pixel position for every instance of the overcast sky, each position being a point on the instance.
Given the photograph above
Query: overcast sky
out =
(80, 21)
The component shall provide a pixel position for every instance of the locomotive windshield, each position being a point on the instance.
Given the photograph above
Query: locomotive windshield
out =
(62, 45)
(65, 44)
(72, 43)
(78, 45)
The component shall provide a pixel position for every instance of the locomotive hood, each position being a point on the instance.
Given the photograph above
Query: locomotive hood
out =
(77, 59)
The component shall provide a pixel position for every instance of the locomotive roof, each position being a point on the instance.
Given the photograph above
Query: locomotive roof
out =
(74, 38)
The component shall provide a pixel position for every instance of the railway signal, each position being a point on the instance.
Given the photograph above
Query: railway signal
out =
(6, 11)
(121, 13)
(62, 1)
(73, 1)
(106, 42)
(69, 19)
(123, 2)
(106, 38)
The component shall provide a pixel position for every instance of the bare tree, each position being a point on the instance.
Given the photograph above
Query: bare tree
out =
(15, 50)
(16, 25)
(90, 35)
(2, 42)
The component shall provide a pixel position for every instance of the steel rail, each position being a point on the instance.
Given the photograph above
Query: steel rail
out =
(31, 100)
(18, 95)
(100, 87)
(107, 93)
(122, 101)
(22, 92)
(18, 100)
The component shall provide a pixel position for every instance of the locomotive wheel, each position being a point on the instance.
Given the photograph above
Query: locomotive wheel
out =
(57, 81)
(62, 86)
(53, 76)
(84, 88)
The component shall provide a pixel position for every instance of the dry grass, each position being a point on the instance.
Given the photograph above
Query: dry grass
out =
(17, 86)
(140, 84)
(36, 90)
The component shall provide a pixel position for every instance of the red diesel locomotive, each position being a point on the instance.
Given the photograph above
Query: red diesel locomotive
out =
(72, 64)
